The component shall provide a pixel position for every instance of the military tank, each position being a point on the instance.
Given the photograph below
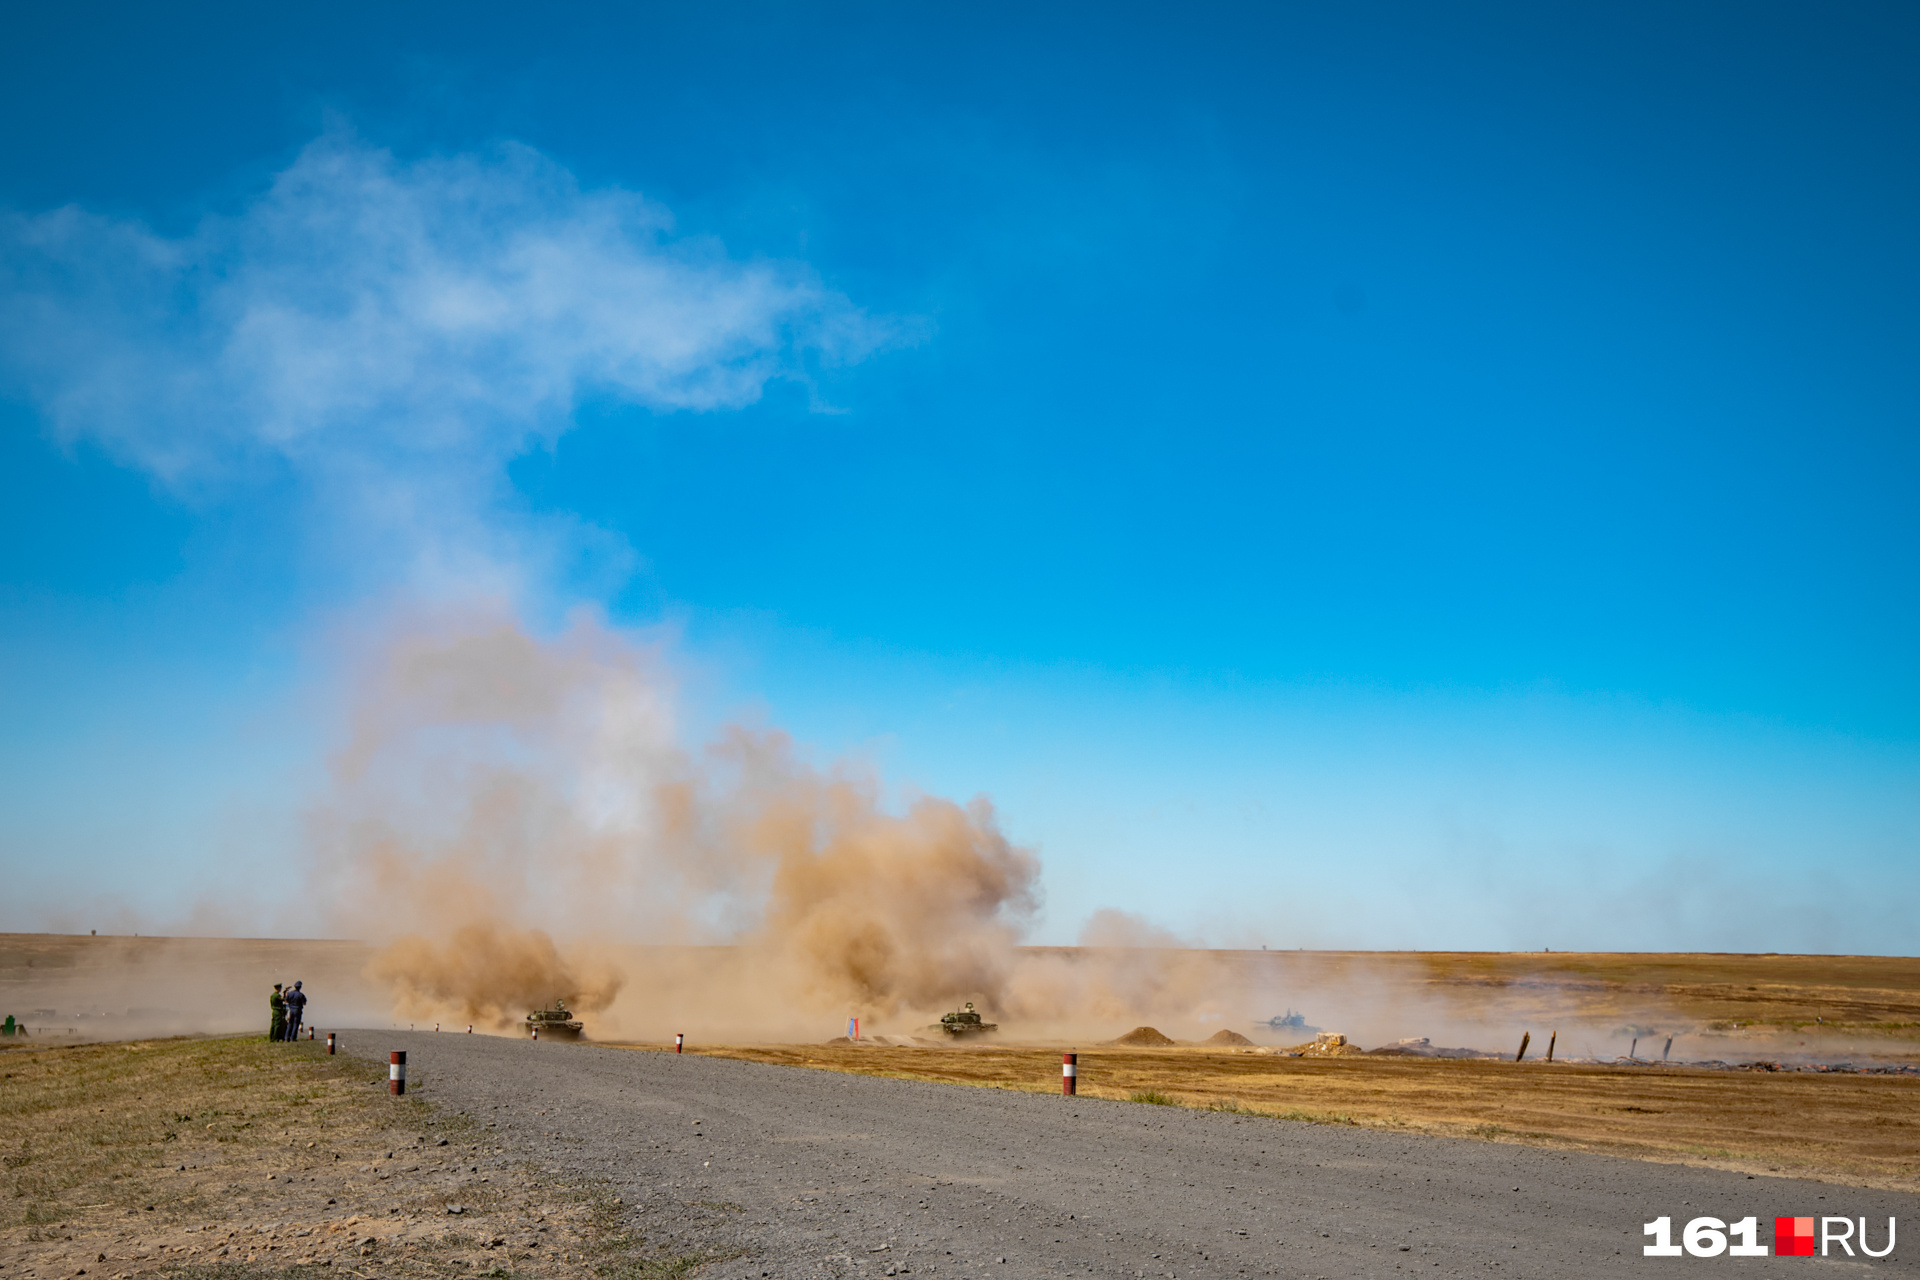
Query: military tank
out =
(965, 1022)
(1296, 1023)
(555, 1023)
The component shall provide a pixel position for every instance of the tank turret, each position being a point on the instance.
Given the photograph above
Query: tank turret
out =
(554, 1023)
(965, 1022)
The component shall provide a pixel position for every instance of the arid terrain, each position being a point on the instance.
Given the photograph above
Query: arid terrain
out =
(1729, 1007)
(793, 1174)
(1715, 1005)
(1857, 1129)
(236, 1157)
(68, 987)
(231, 1157)
(1750, 1013)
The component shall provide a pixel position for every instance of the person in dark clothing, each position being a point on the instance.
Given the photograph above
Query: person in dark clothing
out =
(277, 1003)
(296, 1011)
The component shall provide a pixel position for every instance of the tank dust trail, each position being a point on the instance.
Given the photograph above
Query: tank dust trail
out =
(511, 814)
(509, 811)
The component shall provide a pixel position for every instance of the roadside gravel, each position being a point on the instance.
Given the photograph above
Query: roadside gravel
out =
(792, 1174)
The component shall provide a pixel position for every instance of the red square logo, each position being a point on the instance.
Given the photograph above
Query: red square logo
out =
(1793, 1237)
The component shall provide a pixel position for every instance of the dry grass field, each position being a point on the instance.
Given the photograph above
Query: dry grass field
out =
(237, 1158)
(1716, 1006)
(1856, 1129)
(1869, 1001)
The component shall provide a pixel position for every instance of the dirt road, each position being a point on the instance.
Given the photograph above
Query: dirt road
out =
(790, 1173)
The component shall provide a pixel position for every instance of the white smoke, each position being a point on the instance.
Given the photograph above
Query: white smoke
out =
(388, 334)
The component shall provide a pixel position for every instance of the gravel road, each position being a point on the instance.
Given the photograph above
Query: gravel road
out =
(799, 1174)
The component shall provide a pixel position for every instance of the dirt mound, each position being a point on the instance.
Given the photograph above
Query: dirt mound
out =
(1328, 1044)
(1223, 1036)
(1144, 1037)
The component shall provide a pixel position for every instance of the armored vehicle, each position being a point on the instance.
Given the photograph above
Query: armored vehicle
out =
(555, 1023)
(1290, 1021)
(965, 1022)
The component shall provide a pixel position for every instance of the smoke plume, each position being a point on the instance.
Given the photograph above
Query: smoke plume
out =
(498, 791)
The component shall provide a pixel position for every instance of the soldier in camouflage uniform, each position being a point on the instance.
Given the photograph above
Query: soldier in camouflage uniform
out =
(278, 1031)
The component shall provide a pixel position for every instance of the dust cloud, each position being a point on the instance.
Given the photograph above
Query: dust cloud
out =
(63, 987)
(515, 821)
(485, 974)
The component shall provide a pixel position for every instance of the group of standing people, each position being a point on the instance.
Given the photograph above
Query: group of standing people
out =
(289, 1010)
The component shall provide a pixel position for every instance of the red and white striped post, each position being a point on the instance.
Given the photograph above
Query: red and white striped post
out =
(679, 1042)
(397, 1072)
(329, 1044)
(536, 1031)
(1069, 1073)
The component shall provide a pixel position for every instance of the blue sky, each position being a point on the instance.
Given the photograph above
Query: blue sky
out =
(1381, 477)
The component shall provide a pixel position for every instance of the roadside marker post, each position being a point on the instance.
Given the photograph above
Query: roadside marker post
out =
(536, 1031)
(1069, 1074)
(679, 1042)
(397, 1072)
(329, 1044)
